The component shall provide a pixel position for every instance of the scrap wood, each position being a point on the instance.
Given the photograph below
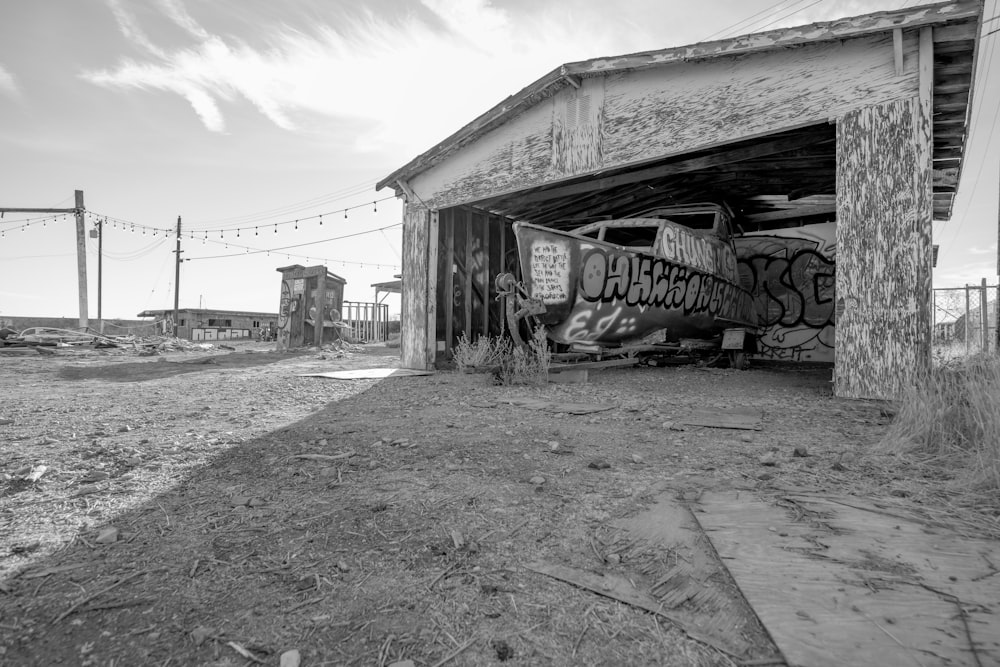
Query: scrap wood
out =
(454, 654)
(621, 589)
(557, 406)
(325, 457)
(367, 373)
(748, 419)
(101, 592)
(245, 653)
(54, 570)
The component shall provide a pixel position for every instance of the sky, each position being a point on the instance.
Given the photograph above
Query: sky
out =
(265, 125)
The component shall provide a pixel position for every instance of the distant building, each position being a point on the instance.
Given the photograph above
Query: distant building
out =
(205, 324)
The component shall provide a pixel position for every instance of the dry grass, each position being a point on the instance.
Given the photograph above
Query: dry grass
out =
(529, 366)
(510, 364)
(951, 418)
(485, 352)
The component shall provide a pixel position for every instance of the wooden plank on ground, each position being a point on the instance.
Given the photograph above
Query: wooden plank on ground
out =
(840, 585)
(621, 589)
(664, 552)
(749, 419)
(592, 365)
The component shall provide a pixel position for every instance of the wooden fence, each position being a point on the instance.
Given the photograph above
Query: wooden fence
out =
(369, 321)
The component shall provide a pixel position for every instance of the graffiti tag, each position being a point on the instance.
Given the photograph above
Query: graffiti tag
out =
(654, 282)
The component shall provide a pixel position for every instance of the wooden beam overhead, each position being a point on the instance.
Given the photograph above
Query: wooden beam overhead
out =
(692, 164)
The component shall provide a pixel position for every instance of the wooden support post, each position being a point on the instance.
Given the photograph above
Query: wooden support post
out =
(884, 209)
(417, 308)
(897, 50)
(449, 279)
(984, 321)
(81, 258)
(467, 287)
(319, 303)
(966, 318)
(430, 344)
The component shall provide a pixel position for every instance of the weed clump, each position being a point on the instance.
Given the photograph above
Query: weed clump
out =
(509, 363)
(951, 417)
(485, 353)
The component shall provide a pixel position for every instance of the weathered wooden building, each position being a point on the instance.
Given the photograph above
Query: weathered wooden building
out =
(207, 324)
(835, 143)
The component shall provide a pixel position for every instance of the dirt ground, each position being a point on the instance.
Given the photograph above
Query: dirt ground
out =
(220, 508)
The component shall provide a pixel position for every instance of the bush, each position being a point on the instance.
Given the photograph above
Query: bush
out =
(484, 354)
(529, 366)
(509, 363)
(952, 416)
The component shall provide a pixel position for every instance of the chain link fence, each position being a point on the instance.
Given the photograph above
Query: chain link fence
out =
(965, 320)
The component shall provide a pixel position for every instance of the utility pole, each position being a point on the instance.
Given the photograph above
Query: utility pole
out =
(100, 262)
(81, 259)
(177, 277)
(81, 245)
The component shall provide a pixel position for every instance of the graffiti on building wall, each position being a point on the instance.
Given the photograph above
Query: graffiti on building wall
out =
(791, 273)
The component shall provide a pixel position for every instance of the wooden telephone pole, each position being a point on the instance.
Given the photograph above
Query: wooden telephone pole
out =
(177, 277)
(81, 246)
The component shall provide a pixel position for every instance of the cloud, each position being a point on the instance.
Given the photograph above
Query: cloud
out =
(988, 250)
(7, 83)
(130, 28)
(408, 80)
(179, 15)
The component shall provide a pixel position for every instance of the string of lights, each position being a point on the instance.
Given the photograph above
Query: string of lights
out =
(132, 226)
(348, 192)
(203, 235)
(248, 250)
(28, 222)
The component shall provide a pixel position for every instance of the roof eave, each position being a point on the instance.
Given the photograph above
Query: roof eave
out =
(782, 38)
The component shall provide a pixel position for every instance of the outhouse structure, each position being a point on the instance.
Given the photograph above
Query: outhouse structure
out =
(310, 306)
(835, 144)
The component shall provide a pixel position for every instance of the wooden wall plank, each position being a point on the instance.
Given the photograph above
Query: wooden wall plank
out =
(441, 288)
(484, 279)
(448, 295)
(433, 270)
(884, 207)
(469, 275)
(415, 303)
(677, 108)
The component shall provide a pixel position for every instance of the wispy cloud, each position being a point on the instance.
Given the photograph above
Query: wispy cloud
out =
(7, 84)
(981, 250)
(392, 74)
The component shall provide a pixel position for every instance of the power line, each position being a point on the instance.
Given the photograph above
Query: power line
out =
(329, 216)
(746, 20)
(337, 195)
(792, 13)
(279, 250)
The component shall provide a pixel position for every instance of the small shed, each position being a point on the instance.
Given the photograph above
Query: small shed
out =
(836, 144)
(310, 306)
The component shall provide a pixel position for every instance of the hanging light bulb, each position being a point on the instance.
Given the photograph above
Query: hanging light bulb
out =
(320, 219)
(296, 224)
(375, 206)
(345, 214)
(237, 233)
(255, 231)
(275, 228)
